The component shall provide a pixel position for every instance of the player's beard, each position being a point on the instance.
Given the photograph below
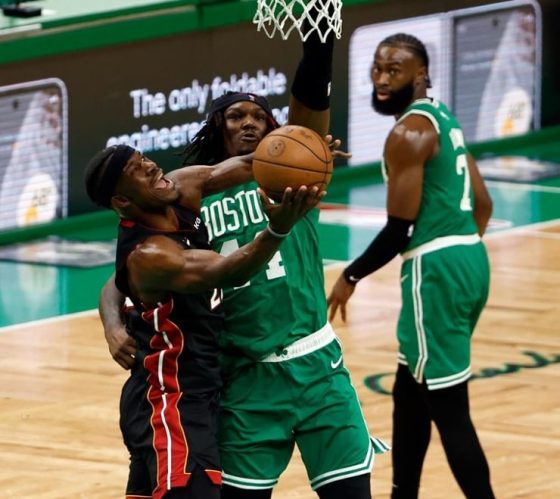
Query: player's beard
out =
(396, 103)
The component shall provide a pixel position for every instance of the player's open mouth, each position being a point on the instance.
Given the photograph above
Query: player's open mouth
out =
(249, 137)
(162, 183)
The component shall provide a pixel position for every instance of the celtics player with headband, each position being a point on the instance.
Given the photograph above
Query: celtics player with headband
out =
(438, 209)
(285, 382)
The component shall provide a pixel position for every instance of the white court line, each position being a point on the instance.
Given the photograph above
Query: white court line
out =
(539, 234)
(523, 187)
(523, 228)
(529, 230)
(40, 322)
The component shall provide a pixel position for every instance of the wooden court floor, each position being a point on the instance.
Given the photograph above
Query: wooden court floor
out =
(59, 437)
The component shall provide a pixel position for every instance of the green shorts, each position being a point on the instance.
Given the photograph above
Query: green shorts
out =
(443, 294)
(306, 400)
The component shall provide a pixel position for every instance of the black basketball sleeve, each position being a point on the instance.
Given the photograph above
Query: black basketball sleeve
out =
(392, 239)
(312, 81)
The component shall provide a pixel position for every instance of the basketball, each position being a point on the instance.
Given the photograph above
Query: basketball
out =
(291, 156)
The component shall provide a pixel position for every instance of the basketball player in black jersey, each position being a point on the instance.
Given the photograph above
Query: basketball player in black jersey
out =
(165, 265)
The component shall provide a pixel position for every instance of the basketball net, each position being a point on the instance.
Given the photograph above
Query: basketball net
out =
(285, 16)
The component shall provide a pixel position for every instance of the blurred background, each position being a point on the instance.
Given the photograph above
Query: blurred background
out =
(77, 76)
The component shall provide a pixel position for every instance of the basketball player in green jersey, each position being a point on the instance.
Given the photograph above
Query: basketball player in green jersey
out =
(285, 382)
(438, 209)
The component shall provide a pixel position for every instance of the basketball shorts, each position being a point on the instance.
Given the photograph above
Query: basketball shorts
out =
(443, 294)
(172, 447)
(298, 398)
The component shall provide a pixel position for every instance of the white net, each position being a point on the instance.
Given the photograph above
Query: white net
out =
(285, 16)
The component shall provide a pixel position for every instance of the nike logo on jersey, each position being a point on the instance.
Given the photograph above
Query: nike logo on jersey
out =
(334, 365)
(404, 277)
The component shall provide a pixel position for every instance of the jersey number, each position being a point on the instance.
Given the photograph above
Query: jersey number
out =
(462, 168)
(274, 268)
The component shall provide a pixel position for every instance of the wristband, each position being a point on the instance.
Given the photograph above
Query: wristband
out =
(277, 234)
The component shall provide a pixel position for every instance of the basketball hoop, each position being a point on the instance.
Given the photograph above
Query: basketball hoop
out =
(285, 16)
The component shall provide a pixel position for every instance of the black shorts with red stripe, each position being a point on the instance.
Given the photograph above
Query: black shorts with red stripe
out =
(172, 441)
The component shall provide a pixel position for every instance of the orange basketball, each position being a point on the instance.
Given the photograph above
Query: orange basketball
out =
(291, 156)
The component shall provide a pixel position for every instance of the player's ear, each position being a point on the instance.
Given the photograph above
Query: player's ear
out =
(120, 202)
(421, 76)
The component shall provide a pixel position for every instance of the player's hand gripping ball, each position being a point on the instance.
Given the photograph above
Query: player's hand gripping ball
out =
(291, 156)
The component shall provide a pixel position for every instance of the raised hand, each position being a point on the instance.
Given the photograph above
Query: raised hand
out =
(294, 205)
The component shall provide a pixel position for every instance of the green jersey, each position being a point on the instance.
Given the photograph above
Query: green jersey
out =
(447, 197)
(285, 300)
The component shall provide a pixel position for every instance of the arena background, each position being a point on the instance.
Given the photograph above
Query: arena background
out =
(88, 72)
(145, 71)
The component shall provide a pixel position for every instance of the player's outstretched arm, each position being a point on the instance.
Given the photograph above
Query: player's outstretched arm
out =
(197, 181)
(160, 265)
(311, 88)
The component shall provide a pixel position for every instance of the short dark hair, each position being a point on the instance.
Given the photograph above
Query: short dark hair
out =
(103, 171)
(413, 44)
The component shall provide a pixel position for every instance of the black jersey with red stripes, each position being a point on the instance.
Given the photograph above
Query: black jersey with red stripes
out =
(178, 338)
